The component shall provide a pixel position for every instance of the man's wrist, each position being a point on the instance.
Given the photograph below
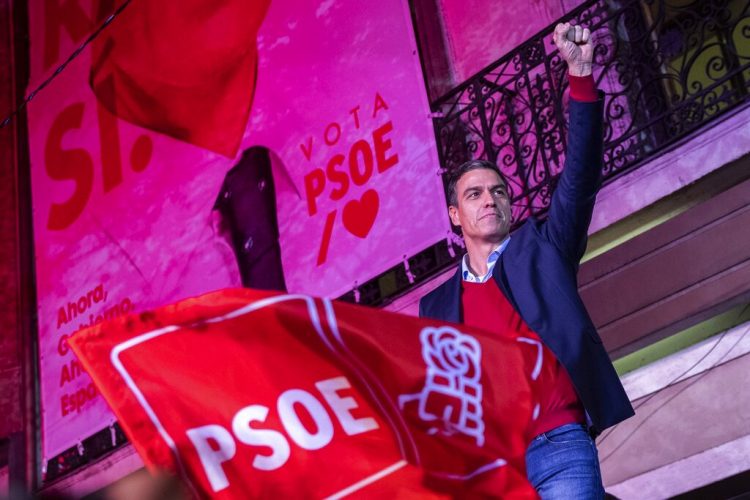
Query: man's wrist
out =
(580, 69)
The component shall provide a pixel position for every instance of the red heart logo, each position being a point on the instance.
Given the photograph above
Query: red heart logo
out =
(359, 215)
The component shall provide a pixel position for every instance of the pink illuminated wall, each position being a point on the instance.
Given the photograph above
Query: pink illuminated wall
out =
(478, 32)
(340, 103)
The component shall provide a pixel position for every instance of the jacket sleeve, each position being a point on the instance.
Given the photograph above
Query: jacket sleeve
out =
(572, 202)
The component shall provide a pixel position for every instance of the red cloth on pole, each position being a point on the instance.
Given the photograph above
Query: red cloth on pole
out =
(247, 393)
(186, 69)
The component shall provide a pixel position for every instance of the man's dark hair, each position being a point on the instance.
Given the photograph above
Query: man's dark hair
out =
(468, 166)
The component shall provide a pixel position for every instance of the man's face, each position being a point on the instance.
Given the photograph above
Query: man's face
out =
(483, 210)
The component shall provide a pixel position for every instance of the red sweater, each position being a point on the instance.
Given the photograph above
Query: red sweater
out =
(583, 88)
(485, 307)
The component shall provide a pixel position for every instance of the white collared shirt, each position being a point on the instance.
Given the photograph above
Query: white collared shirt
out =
(491, 261)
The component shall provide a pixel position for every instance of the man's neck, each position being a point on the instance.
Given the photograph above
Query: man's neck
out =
(478, 252)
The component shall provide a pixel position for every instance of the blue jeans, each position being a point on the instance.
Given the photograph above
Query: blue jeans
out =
(563, 464)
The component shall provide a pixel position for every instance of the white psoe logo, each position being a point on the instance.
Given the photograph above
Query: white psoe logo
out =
(452, 393)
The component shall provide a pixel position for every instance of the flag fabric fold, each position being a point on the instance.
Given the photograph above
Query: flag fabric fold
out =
(186, 69)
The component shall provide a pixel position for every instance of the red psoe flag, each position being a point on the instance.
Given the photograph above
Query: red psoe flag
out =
(186, 69)
(247, 393)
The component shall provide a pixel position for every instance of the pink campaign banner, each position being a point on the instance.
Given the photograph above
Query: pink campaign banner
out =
(124, 216)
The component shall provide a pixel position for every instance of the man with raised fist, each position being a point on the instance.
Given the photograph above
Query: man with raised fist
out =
(527, 283)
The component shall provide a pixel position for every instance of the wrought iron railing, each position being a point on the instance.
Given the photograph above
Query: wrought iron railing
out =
(667, 68)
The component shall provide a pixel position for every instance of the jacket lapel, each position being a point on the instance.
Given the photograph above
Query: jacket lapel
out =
(452, 299)
(500, 275)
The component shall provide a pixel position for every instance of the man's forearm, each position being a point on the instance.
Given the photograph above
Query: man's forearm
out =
(572, 201)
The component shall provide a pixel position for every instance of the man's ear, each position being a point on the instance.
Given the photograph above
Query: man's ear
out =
(453, 214)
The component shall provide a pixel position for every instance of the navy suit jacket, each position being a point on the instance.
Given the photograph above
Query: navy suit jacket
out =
(537, 273)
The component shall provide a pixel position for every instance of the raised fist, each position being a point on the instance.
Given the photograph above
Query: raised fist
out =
(574, 44)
